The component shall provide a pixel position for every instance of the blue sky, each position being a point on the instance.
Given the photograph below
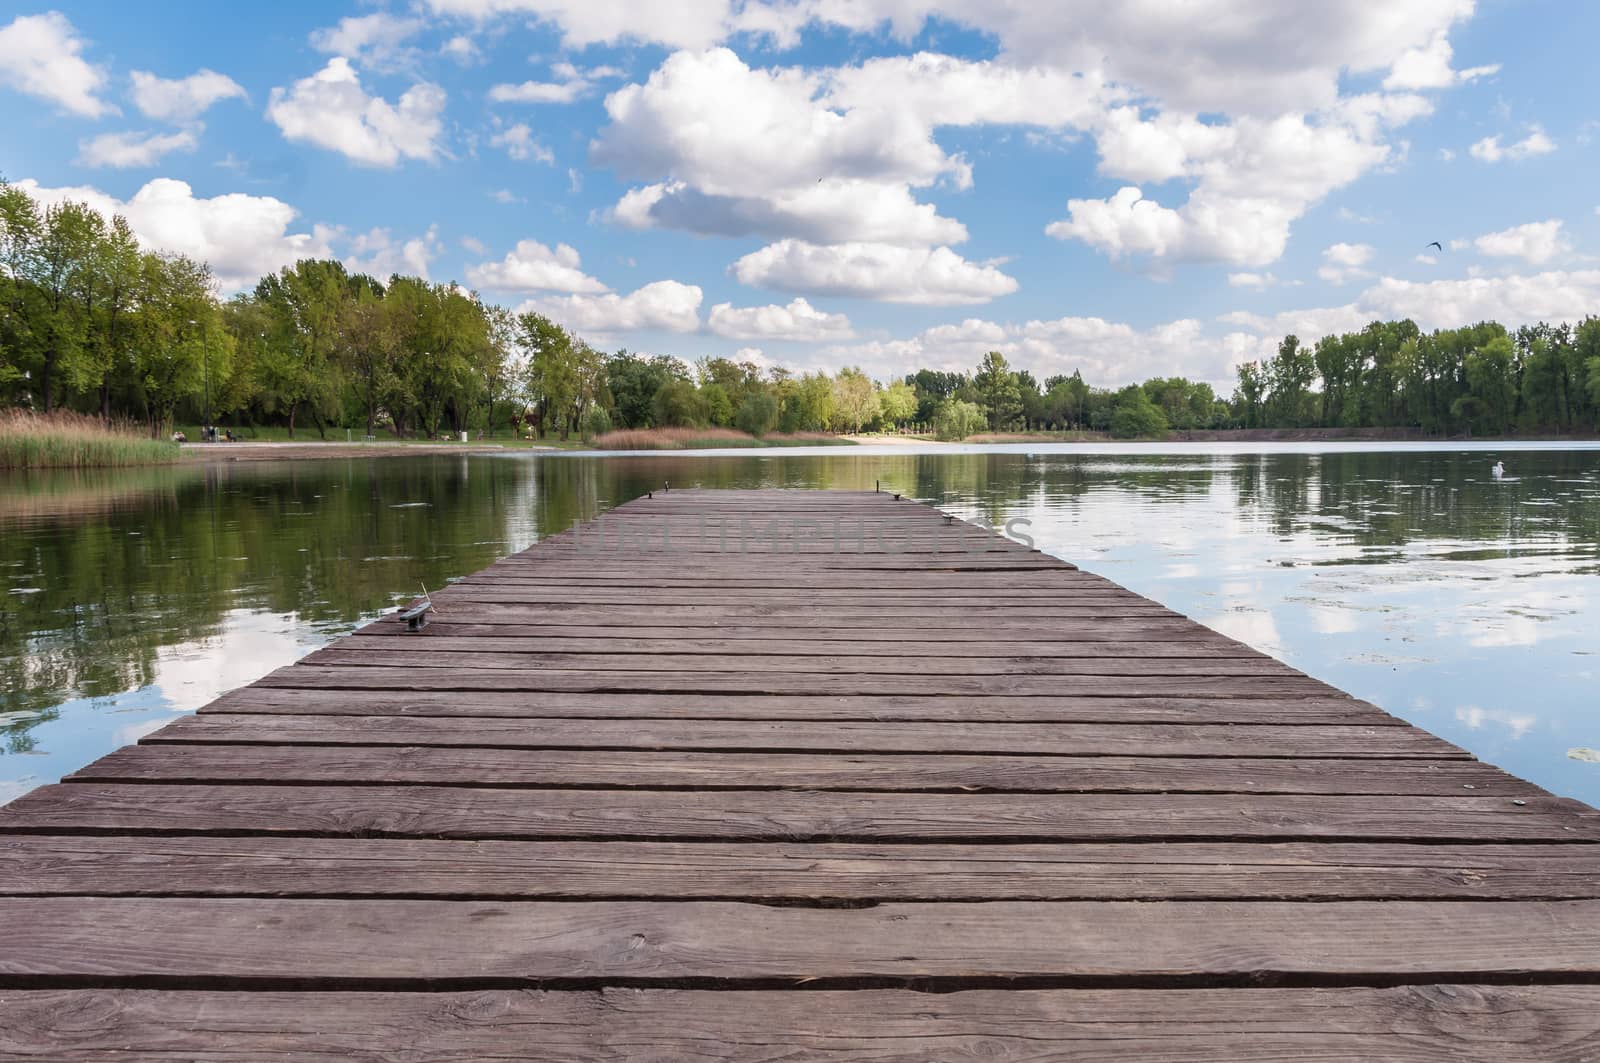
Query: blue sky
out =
(1133, 189)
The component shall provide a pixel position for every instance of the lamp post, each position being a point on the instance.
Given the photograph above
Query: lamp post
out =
(205, 361)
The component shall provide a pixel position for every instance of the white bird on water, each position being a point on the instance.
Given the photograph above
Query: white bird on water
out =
(1499, 470)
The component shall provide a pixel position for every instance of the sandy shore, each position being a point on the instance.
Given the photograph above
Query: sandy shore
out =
(891, 441)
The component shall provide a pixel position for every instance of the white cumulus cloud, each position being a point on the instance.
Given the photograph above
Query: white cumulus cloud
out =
(379, 253)
(128, 150)
(826, 211)
(1429, 67)
(683, 24)
(1489, 149)
(331, 110)
(1253, 179)
(462, 48)
(182, 100)
(570, 84)
(373, 38)
(730, 150)
(798, 321)
(721, 126)
(533, 267)
(885, 272)
(1343, 262)
(1536, 242)
(42, 55)
(668, 306)
(520, 144)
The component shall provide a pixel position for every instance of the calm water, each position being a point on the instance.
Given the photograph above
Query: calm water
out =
(1410, 578)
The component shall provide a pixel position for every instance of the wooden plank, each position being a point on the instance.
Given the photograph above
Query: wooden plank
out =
(907, 599)
(713, 589)
(878, 605)
(1060, 739)
(812, 683)
(656, 769)
(793, 610)
(848, 636)
(627, 560)
(434, 639)
(907, 545)
(416, 944)
(480, 812)
(757, 578)
(894, 626)
(818, 872)
(732, 572)
(1042, 709)
(563, 552)
(420, 653)
(1457, 1023)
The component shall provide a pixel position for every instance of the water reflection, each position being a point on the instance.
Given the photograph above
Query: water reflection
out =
(1407, 577)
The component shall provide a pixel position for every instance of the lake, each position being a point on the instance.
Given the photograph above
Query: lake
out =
(1406, 576)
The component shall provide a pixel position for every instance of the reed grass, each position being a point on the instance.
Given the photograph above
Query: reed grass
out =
(67, 440)
(707, 438)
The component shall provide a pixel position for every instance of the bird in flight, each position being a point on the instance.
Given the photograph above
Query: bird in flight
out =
(1435, 244)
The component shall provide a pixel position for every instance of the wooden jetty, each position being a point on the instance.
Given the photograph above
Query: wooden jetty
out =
(768, 775)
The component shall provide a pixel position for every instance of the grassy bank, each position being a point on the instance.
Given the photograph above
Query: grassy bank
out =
(708, 438)
(74, 441)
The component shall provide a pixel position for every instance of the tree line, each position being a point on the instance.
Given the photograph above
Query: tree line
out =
(1480, 379)
(91, 322)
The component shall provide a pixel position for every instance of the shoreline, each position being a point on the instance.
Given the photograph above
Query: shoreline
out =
(262, 451)
(295, 451)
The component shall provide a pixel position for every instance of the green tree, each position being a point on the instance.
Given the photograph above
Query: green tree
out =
(955, 420)
(1066, 401)
(178, 334)
(108, 354)
(998, 392)
(679, 403)
(719, 407)
(21, 228)
(500, 371)
(855, 400)
(1249, 395)
(1134, 416)
(307, 305)
(245, 321)
(1289, 379)
(369, 346)
(589, 392)
(596, 422)
(1552, 378)
(634, 381)
(899, 403)
(758, 413)
(68, 281)
(552, 378)
(933, 387)
(736, 379)
(1493, 386)
(809, 406)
